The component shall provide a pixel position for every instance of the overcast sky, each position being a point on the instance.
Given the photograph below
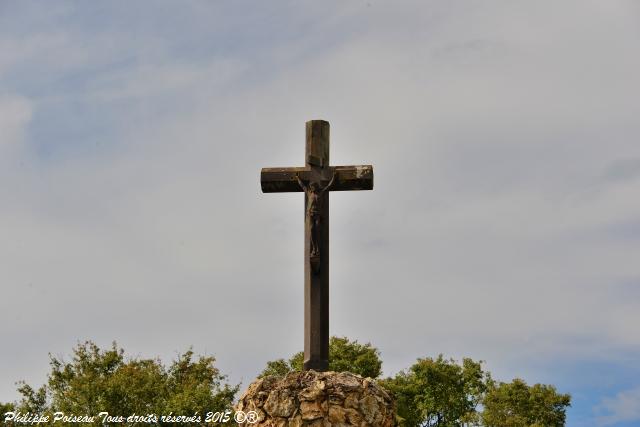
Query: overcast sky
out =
(504, 224)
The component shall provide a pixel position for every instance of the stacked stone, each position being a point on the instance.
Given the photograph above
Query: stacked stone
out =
(318, 399)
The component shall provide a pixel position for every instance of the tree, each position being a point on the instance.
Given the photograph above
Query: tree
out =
(516, 404)
(4, 408)
(103, 381)
(431, 393)
(344, 355)
(439, 392)
(444, 393)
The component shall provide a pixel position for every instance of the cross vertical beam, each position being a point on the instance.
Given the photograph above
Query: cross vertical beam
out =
(316, 277)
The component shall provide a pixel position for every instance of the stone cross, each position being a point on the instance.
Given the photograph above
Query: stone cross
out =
(316, 179)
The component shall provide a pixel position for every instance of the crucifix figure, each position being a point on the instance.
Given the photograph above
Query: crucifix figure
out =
(313, 213)
(316, 179)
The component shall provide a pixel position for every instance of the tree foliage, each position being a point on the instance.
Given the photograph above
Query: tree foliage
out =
(344, 355)
(439, 392)
(516, 404)
(103, 381)
(433, 392)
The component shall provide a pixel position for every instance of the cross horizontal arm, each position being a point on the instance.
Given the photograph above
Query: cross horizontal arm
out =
(282, 180)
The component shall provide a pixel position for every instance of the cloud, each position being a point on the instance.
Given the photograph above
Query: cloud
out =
(15, 114)
(624, 407)
(498, 134)
(623, 169)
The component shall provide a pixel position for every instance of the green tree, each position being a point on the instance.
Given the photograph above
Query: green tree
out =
(439, 392)
(431, 393)
(103, 381)
(344, 355)
(4, 408)
(516, 404)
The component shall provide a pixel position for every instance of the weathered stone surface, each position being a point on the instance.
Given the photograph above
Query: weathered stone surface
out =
(318, 399)
(280, 403)
(312, 410)
(369, 408)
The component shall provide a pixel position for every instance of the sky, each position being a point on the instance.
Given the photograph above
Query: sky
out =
(504, 224)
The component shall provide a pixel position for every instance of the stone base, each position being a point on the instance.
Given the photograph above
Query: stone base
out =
(319, 399)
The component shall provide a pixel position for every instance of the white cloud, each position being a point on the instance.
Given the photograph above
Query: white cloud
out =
(15, 114)
(624, 407)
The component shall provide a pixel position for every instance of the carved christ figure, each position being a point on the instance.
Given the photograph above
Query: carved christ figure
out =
(314, 191)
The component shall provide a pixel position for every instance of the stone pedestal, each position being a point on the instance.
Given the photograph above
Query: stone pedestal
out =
(319, 399)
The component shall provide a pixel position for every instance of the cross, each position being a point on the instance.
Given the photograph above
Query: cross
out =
(316, 179)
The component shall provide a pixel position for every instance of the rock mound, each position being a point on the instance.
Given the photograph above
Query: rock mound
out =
(319, 399)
